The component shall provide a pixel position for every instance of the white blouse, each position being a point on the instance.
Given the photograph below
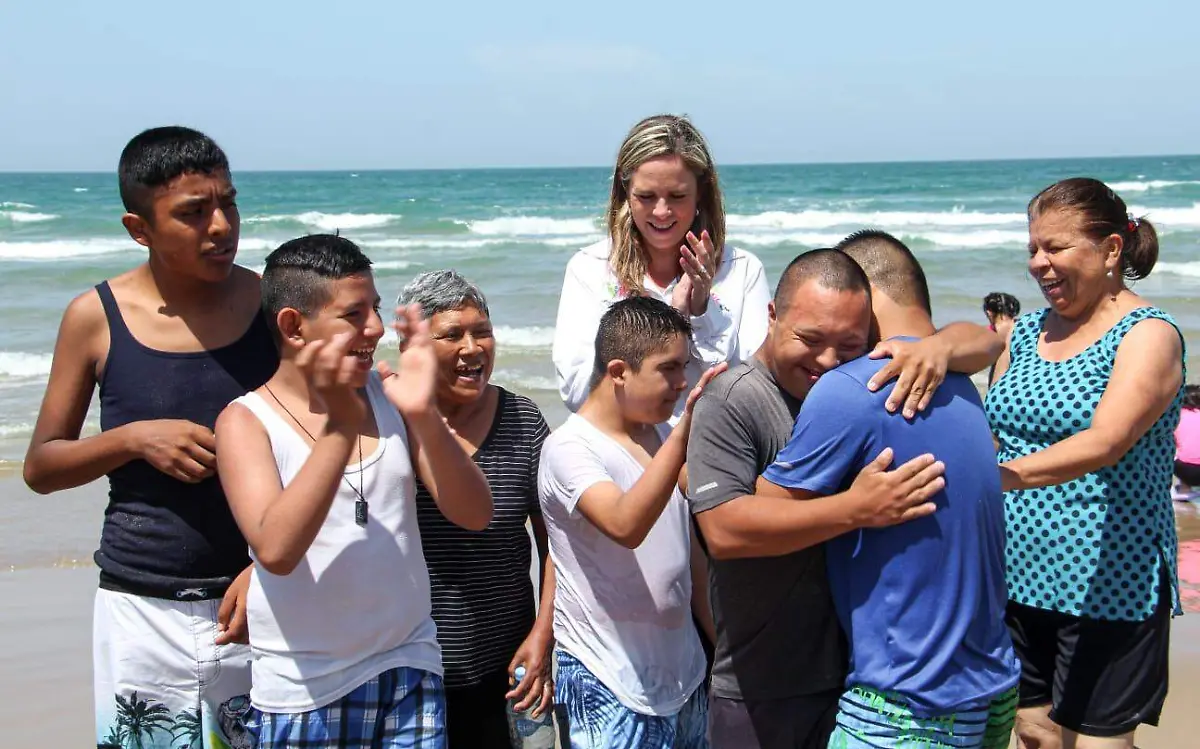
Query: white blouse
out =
(730, 330)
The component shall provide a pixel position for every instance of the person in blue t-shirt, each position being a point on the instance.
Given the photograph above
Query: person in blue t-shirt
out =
(922, 603)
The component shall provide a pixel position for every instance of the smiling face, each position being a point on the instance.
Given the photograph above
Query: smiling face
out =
(820, 329)
(1071, 269)
(648, 394)
(352, 306)
(663, 195)
(193, 225)
(466, 352)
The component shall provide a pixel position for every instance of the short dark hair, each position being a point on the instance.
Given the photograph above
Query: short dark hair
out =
(633, 329)
(835, 270)
(890, 266)
(156, 156)
(298, 273)
(1191, 396)
(1000, 303)
(1104, 214)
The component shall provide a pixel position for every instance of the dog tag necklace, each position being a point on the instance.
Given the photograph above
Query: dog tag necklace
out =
(360, 504)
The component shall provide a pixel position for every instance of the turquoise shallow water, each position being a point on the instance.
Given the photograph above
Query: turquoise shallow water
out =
(512, 231)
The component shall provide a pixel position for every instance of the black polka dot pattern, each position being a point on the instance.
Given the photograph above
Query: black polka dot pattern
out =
(1090, 547)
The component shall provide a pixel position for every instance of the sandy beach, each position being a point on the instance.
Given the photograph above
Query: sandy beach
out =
(45, 627)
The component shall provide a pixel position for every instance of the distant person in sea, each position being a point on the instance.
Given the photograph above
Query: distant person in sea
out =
(780, 658)
(923, 672)
(628, 570)
(319, 465)
(170, 344)
(483, 602)
(1085, 405)
(1002, 311)
(666, 240)
(1187, 439)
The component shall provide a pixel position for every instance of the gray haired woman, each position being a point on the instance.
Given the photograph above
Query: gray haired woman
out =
(483, 600)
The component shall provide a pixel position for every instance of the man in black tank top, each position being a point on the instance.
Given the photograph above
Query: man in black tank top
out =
(169, 344)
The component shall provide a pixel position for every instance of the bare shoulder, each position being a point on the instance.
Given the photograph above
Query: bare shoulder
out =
(237, 422)
(84, 326)
(1153, 335)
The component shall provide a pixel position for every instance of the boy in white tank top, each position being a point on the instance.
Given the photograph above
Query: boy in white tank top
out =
(318, 466)
(629, 571)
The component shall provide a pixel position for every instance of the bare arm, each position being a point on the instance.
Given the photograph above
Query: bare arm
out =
(58, 459)
(775, 521)
(1003, 362)
(920, 367)
(1146, 377)
(627, 517)
(701, 606)
(279, 523)
(455, 482)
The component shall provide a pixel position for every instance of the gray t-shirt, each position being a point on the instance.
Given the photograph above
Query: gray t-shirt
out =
(777, 632)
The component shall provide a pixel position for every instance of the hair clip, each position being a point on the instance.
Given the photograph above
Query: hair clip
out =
(1134, 222)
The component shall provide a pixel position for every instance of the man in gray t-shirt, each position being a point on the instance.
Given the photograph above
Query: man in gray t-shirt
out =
(780, 656)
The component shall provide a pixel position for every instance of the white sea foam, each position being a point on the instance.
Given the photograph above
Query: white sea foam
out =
(947, 239)
(526, 226)
(524, 382)
(14, 204)
(329, 221)
(64, 249)
(986, 238)
(20, 364)
(393, 265)
(1154, 184)
(80, 189)
(1192, 269)
(1170, 217)
(15, 430)
(533, 337)
(817, 219)
(26, 217)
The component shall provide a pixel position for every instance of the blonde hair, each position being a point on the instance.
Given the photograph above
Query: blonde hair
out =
(660, 135)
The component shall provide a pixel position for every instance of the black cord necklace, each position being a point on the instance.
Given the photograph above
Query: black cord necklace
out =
(360, 504)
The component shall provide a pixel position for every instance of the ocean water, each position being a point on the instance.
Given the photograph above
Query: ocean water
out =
(512, 231)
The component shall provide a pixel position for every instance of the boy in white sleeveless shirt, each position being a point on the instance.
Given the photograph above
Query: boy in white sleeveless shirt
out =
(630, 663)
(318, 466)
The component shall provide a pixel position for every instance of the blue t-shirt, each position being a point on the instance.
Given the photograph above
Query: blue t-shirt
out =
(922, 602)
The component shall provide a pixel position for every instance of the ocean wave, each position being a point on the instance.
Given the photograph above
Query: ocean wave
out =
(64, 249)
(393, 265)
(25, 217)
(15, 430)
(533, 337)
(1192, 269)
(14, 204)
(1170, 217)
(329, 221)
(945, 239)
(817, 219)
(526, 226)
(1154, 184)
(523, 382)
(80, 189)
(20, 364)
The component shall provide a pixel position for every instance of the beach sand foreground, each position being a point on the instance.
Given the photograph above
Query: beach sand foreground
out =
(46, 624)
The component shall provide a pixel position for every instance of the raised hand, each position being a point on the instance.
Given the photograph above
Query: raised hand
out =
(891, 497)
(181, 449)
(697, 391)
(331, 370)
(698, 259)
(412, 387)
(920, 367)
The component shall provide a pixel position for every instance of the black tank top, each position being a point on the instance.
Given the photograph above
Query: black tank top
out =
(163, 537)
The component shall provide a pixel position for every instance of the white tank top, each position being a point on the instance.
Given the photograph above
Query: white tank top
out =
(358, 603)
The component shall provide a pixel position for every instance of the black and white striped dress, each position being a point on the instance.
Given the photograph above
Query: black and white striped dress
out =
(483, 602)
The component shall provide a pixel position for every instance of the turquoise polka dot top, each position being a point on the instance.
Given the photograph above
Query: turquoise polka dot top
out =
(1095, 546)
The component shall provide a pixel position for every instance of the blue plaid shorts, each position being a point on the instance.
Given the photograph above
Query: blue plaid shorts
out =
(404, 708)
(596, 719)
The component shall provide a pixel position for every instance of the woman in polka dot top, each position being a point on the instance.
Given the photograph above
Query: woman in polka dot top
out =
(1084, 409)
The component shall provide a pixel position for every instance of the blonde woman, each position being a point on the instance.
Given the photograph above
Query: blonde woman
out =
(666, 239)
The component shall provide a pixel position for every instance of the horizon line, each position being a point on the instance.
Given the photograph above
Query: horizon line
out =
(335, 170)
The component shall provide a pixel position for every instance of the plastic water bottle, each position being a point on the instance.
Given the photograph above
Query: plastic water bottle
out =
(524, 730)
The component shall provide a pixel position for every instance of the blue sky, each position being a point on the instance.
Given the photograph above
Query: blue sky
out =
(429, 83)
